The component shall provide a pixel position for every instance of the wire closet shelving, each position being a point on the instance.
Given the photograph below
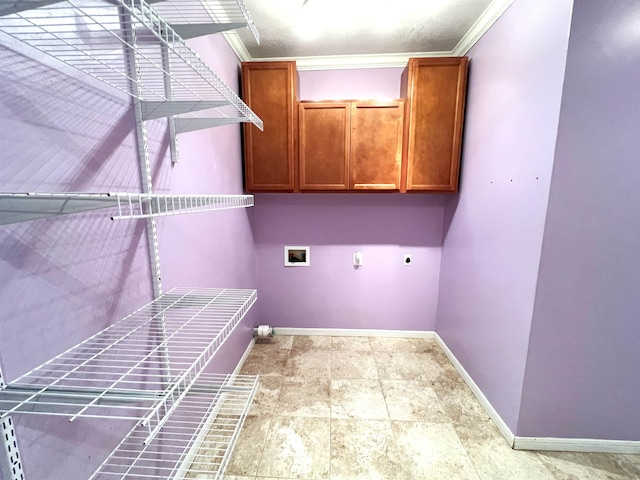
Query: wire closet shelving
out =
(138, 368)
(200, 434)
(170, 78)
(150, 366)
(19, 207)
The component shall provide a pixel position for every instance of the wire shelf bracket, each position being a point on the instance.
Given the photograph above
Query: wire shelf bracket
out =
(151, 110)
(188, 31)
(192, 18)
(184, 125)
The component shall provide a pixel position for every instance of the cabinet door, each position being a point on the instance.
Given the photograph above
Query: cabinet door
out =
(376, 145)
(324, 145)
(270, 89)
(435, 89)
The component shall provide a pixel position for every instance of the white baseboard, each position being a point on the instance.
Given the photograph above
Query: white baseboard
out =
(576, 445)
(244, 357)
(354, 332)
(493, 414)
(534, 443)
(517, 443)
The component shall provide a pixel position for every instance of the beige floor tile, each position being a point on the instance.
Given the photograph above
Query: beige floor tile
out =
(265, 363)
(309, 364)
(363, 449)
(266, 397)
(432, 451)
(459, 403)
(412, 401)
(311, 342)
(419, 383)
(387, 344)
(424, 345)
(356, 398)
(436, 369)
(304, 397)
(494, 459)
(284, 342)
(297, 447)
(353, 364)
(351, 343)
(398, 366)
(630, 463)
(587, 466)
(248, 451)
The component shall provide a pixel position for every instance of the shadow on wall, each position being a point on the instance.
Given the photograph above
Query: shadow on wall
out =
(344, 219)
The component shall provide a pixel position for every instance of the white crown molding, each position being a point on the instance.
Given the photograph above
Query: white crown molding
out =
(233, 39)
(345, 62)
(490, 15)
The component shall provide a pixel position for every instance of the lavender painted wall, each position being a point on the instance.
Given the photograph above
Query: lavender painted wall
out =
(582, 369)
(383, 293)
(63, 279)
(357, 84)
(331, 293)
(211, 249)
(493, 228)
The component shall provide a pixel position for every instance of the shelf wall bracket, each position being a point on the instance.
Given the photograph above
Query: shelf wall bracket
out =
(151, 109)
(168, 91)
(184, 125)
(187, 31)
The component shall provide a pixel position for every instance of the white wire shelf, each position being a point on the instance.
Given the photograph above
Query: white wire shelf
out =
(138, 368)
(196, 441)
(19, 207)
(98, 37)
(190, 18)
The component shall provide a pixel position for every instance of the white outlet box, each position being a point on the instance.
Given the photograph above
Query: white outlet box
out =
(407, 259)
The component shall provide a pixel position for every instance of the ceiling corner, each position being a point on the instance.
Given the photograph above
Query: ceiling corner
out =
(491, 14)
(233, 39)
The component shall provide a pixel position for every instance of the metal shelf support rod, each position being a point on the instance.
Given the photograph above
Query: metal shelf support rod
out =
(10, 463)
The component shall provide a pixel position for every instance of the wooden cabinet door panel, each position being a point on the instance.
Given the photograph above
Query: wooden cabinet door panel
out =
(269, 89)
(376, 145)
(436, 95)
(324, 146)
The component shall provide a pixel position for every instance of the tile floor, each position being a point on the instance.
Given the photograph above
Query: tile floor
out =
(383, 408)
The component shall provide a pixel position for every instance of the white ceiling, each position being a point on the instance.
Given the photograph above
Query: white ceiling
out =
(363, 33)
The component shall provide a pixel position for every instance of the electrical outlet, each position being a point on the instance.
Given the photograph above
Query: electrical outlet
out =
(407, 259)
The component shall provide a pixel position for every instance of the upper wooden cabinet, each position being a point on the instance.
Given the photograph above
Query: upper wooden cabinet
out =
(376, 144)
(324, 132)
(350, 145)
(270, 89)
(435, 90)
